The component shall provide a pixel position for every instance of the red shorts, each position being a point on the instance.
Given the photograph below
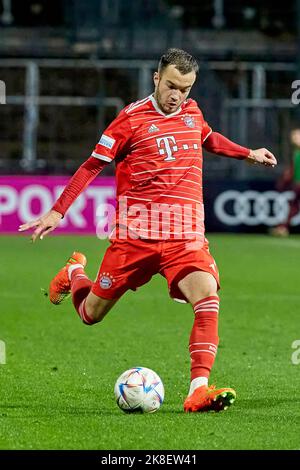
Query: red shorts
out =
(128, 264)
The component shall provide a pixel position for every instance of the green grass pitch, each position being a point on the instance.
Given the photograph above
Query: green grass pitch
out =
(56, 388)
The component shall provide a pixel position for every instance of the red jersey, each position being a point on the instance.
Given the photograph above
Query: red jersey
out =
(158, 168)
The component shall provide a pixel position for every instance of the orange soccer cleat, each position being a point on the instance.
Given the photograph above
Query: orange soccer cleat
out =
(60, 286)
(209, 399)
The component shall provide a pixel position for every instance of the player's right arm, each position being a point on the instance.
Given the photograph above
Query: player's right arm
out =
(111, 143)
(79, 181)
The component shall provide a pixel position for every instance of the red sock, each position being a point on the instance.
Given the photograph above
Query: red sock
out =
(80, 288)
(204, 336)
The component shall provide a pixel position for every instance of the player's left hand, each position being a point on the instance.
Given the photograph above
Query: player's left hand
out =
(262, 156)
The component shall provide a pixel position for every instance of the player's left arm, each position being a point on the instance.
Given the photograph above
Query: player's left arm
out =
(220, 145)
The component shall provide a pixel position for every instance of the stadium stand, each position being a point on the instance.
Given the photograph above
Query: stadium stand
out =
(70, 66)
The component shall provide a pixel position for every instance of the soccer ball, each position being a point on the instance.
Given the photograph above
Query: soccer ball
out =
(139, 389)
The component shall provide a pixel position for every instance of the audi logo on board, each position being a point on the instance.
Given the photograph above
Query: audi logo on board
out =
(253, 207)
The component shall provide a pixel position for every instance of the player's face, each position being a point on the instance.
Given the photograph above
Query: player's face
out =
(172, 88)
(295, 137)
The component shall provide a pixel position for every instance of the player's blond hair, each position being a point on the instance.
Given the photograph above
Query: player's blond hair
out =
(183, 61)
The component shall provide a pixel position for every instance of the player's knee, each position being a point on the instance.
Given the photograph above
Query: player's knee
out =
(203, 291)
(203, 294)
(200, 294)
(208, 288)
(207, 292)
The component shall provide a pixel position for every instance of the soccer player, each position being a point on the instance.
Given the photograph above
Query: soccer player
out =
(290, 180)
(157, 145)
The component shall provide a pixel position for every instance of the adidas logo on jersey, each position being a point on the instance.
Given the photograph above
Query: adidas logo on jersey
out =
(153, 128)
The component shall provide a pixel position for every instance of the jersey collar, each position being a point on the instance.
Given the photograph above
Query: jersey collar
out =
(157, 108)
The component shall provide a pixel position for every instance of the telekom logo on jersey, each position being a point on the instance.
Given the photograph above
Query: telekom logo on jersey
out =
(164, 147)
(167, 145)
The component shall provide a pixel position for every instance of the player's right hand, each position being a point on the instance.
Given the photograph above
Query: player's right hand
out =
(44, 225)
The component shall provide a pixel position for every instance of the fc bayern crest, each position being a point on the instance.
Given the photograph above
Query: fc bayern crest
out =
(189, 121)
(106, 281)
